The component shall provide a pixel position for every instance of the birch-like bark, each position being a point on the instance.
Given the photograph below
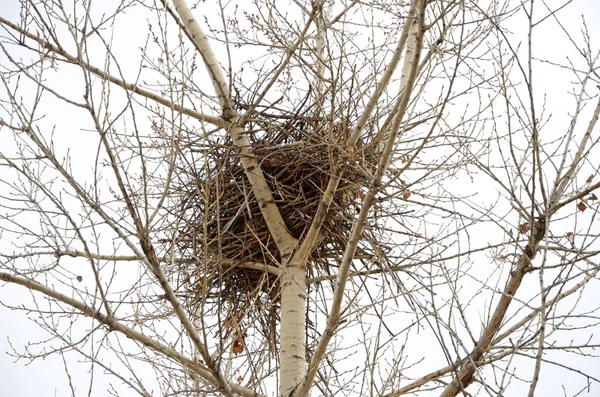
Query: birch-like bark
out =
(409, 73)
(322, 25)
(208, 57)
(284, 240)
(293, 279)
(292, 355)
(293, 322)
(313, 232)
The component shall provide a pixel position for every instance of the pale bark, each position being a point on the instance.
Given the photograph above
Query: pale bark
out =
(322, 25)
(409, 73)
(292, 355)
(210, 60)
(293, 329)
(313, 233)
(284, 240)
(295, 298)
(293, 280)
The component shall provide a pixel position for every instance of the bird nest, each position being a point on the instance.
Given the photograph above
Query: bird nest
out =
(224, 237)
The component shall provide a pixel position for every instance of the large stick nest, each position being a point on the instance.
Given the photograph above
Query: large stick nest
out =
(223, 235)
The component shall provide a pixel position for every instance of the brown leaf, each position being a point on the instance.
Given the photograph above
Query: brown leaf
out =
(406, 195)
(590, 179)
(238, 345)
(593, 197)
(524, 228)
(405, 159)
(581, 206)
(79, 278)
(569, 234)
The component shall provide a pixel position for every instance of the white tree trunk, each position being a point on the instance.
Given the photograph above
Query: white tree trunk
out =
(293, 329)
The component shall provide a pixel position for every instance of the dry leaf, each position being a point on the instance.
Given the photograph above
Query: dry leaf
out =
(593, 197)
(79, 278)
(590, 179)
(405, 195)
(238, 345)
(524, 228)
(569, 234)
(581, 206)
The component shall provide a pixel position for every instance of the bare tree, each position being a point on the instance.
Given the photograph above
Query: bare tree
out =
(316, 197)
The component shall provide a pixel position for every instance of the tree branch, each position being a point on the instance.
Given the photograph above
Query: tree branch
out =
(113, 324)
(217, 121)
(409, 73)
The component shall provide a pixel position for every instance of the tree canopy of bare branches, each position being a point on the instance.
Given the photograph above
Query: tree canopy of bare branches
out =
(303, 198)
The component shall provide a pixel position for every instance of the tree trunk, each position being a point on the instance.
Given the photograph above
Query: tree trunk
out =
(293, 328)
